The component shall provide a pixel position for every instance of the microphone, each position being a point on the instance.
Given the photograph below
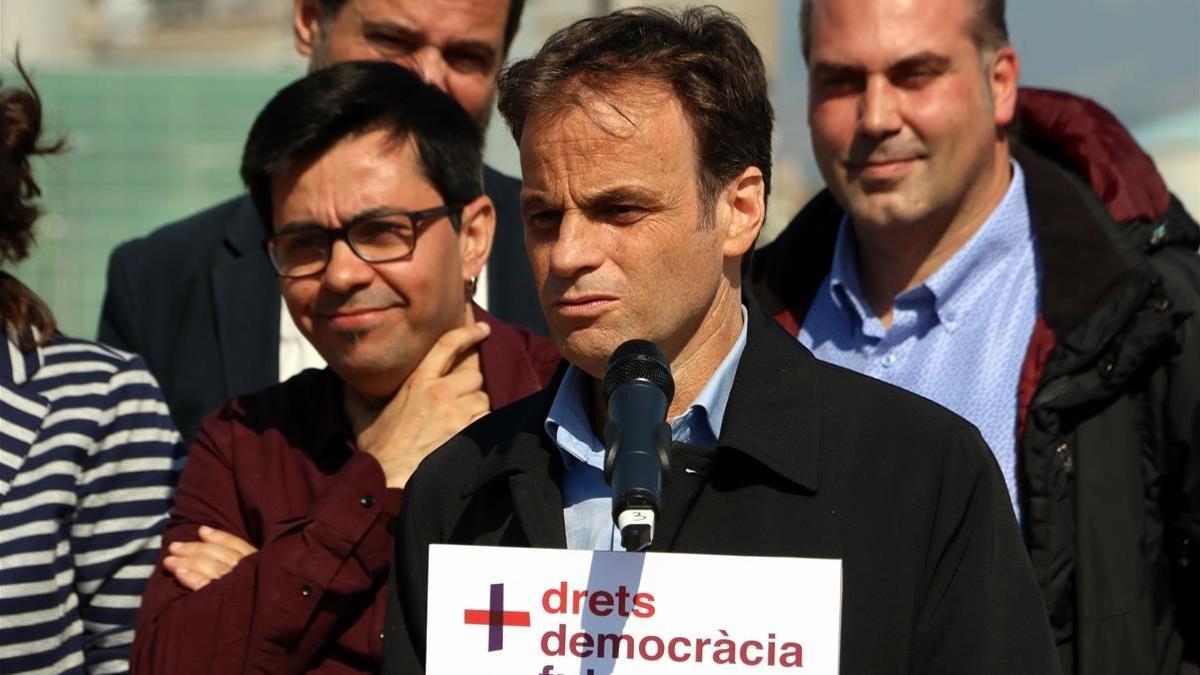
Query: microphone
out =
(638, 389)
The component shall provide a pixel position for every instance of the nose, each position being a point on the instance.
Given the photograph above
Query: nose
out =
(879, 108)
(577, 248)
(430, 64)
(346, 272)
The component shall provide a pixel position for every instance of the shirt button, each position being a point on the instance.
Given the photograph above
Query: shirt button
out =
(888, 360)
(380, 635)
(367, 501)
(306, 591)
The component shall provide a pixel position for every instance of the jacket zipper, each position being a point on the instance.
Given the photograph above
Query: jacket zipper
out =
(1067, 457)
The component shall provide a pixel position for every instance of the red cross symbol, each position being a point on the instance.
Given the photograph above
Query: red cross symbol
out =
(495, 618)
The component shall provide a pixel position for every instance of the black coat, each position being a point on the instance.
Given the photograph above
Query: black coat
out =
(1109, 452)
(199, 300)
(813, 461)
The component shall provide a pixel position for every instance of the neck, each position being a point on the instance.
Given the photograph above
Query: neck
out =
(362, 410)
(893, 258)
(695, 363)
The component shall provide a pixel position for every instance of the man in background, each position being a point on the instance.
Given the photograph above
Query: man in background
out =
(196, 297)
(958, 254)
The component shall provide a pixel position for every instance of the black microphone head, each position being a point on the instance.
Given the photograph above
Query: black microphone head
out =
(638, 360)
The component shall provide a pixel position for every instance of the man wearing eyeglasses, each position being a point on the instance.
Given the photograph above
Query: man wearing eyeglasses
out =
(192, 298)
(277, 554)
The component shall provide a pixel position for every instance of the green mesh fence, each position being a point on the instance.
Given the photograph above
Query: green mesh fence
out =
(146, 146)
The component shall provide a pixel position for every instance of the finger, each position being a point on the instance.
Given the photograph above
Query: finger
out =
(205, 550)
(205, 565)
(189, 578)
(462, 382)
(477, 405)
(442, 355)
(213, 569)
(192, 580)
(468, 360)
(230, 541)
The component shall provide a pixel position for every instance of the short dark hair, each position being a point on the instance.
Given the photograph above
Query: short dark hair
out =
(511, 24)
(311, 115)
(989, 30)
(702, 53)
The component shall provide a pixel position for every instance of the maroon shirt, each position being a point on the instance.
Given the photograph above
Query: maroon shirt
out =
(279, 469)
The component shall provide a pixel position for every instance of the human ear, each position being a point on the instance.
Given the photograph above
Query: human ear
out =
(306, 25)
(475, 235)
(744, 203)
(1004, 76)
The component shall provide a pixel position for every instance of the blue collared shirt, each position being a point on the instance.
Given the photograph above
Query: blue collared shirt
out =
(587, 499)
(959, 338)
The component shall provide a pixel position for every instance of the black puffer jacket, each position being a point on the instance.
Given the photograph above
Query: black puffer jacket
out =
(1109, 414)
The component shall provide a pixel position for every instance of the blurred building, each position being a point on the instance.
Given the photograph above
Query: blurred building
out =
(156, 96)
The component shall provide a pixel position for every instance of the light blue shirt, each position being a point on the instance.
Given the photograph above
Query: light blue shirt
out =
(587, 499)
(959, 338)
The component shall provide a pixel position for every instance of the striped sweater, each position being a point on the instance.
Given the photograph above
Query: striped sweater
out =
(88, 463)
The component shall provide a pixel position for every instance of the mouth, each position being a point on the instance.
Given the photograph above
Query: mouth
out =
(881, 170)
(583, 306)
(353, 319)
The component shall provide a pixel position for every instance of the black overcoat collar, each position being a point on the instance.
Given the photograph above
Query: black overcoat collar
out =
(775, 394)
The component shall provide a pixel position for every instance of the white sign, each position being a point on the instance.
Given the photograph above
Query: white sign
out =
(552, 612)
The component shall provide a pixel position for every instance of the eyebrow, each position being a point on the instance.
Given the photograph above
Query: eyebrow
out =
(616, 195)
(535, 201)
(361, 216)
(471, 44)
(923, 58)
(298, 226)
(926, 59)
(621, 194)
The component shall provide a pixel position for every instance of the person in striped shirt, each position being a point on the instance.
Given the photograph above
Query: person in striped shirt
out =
(88, 457)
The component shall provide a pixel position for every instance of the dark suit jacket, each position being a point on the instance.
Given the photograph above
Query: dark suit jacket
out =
(199, 300)
(813, 461)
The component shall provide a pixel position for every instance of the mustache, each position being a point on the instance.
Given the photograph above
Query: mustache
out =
(329, 303)
(557, 290)
(866, 150)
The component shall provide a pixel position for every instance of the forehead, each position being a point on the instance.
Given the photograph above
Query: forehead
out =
(635, 129)
(364, 170)
(437, 19)
(864, 31)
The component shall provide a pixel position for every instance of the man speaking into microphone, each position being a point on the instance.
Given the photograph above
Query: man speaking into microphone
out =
(645, 141)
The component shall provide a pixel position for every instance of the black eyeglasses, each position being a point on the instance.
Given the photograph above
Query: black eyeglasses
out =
(378, 237)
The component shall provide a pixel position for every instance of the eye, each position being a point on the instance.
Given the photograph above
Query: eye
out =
(295, 243)
(468, 61)
(391, 42)
(838, 83)
(916, 78)
(300, 251)
(622, 214)
(543, 220)
(382, 232)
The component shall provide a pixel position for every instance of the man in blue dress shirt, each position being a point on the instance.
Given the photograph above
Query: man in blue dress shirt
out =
(645, 143)
(955, 255)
